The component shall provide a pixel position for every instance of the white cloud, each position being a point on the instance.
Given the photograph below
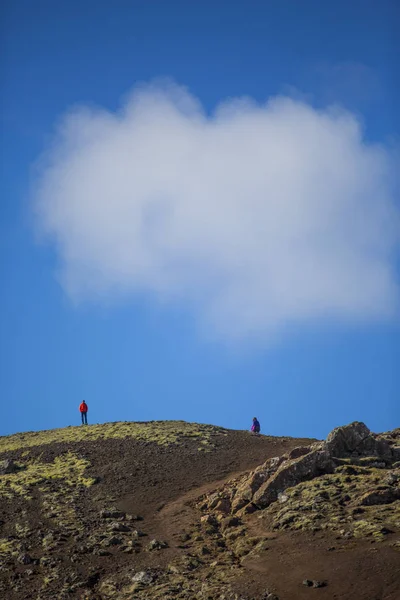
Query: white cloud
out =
(258, 217)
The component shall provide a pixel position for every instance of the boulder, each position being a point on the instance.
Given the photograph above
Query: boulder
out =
(247, 489)
(221, 504)
(144, 577)
(112, 541)
(292, 472)
(208, 520)
(112, 514)
(313, 583)
(345, 440)
(381, 496)
(118, 526)
(8, 466)
(137, 533)
(356, 439)
(157, 545)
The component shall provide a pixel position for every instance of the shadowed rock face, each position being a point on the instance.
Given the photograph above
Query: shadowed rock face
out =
(356, 440)
(292, 472)
(255, 481)
(345, 440)
(7, 467)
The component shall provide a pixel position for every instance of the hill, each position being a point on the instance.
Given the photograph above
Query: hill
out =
(170, 510)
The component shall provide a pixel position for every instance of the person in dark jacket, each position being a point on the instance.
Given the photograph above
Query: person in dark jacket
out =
(255, 428)
(83, 410)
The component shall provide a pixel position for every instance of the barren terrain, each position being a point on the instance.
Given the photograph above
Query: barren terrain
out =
(181, 510)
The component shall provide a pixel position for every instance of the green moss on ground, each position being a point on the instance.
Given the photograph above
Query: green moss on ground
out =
(7, 547)
(161, 432)
(57, 485)
(67, 468)
(333, 502)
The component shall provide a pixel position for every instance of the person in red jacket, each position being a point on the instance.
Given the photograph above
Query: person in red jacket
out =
(83, 408)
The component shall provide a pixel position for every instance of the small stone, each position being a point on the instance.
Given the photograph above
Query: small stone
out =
(392, 478)
(270, 596)
(319, 584)
(144, 577)
(157, 545)
(112, 541)
(112, 514)
(208, 520)
(314, 584)
(118, 526)
(24, 559)
(75, 558)
(137, 533)
(386, 530)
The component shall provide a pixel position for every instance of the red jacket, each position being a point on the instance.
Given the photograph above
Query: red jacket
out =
(83, 407)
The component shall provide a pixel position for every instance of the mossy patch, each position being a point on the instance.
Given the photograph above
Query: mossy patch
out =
(7, 547)
(333, 502)
(245, 545)
(163, 433)
(68, 468)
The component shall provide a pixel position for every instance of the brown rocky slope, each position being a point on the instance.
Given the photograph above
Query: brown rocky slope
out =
(167, 510)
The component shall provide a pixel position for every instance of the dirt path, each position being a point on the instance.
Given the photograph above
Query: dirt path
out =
(352, 569)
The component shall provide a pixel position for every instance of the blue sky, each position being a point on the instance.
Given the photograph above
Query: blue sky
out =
(158, 350)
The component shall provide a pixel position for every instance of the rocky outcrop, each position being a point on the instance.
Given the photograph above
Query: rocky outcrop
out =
(353, 443)
(345, 440)
(291, 473)
(250, 485)
(356, 440)
(264, 485)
